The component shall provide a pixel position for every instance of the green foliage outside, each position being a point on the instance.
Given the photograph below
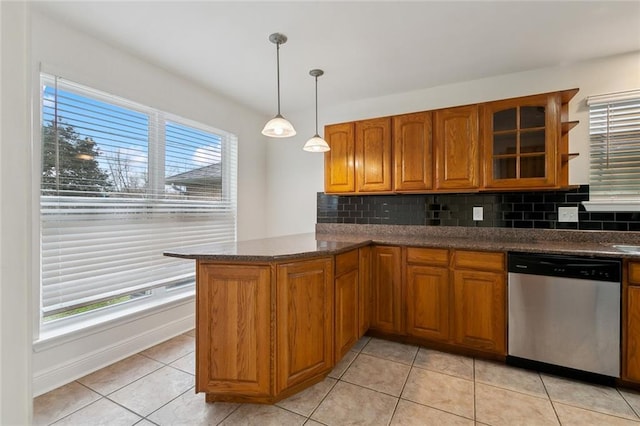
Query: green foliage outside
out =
(69, 162)
(88, 308)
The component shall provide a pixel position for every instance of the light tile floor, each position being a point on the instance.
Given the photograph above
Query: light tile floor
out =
(377, 383)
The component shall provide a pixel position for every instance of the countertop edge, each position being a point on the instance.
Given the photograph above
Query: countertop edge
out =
(345, 241)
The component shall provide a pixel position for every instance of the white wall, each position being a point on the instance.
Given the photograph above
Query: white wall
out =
(85, 60)
(296, 176)
(15, 290)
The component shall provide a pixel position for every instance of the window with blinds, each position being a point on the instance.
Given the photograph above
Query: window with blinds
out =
(614, 128)
(120, 184)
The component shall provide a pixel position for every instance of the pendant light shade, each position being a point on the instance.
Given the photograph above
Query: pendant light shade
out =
(316, 143)
(278, 126)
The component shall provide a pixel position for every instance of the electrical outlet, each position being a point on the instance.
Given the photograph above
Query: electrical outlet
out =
(478, 213)
(567, 214)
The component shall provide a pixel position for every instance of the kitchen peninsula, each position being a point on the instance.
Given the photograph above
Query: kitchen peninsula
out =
(273, 316)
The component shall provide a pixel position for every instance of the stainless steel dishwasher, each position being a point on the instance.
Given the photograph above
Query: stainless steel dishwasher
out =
(564, 311)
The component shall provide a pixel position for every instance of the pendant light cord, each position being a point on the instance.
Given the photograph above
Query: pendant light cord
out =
(316, 77)
(278, 72)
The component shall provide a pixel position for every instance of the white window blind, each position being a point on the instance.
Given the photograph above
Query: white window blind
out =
(614, 128)
(120, 184)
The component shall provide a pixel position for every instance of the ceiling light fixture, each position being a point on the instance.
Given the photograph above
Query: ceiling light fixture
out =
(316, 143)
(278, 126)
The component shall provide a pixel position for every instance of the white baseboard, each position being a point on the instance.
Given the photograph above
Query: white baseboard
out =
(137, 336)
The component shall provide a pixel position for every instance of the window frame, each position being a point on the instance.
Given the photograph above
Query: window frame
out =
(162, 297)
(616, 203)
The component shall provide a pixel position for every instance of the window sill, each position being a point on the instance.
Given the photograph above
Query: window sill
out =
(64, 333)
(612, 206)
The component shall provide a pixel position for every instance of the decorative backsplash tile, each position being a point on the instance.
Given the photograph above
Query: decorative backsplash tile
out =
(501, 209)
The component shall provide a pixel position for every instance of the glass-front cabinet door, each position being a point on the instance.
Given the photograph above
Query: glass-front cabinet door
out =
(520, 140)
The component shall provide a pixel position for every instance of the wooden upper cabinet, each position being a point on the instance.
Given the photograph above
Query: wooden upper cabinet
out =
(526, 141)
(456, 148)
(511, 144)
(373, 155)
(339, 162)
(412, 152)
(520, 142)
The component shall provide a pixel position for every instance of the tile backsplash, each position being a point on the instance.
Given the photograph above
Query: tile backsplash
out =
(500, 209)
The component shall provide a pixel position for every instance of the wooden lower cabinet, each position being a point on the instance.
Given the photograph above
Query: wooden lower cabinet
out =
(428, 302)
(632, 332)
(427, 293)
(479, 301)
(347, 282)
(233, 340)
(304, 321)
(364, 290)
(267, 330)
(263, 331)
(386, 288)
(631, 323)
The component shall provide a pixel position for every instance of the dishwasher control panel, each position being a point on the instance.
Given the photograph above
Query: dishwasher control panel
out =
(590, 268)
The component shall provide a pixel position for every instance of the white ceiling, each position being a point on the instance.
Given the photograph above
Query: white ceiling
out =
(367, 49)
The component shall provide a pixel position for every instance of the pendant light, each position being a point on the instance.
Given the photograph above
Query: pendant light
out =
(278, 126)
(316, 143)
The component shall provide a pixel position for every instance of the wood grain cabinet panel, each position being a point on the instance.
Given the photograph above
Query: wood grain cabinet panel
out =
(386, 287)
(339, 162)
(479, 310)
(456, 147)
(427, 300)
(521, 138)
(233, 330)
(304, 320)
(632, 333)
(526, 141)
(634, 273)
(364, 290)
(373, 155)
(346, 306)
(413, 156)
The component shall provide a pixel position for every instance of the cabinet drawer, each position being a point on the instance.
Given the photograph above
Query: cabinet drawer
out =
(346, 262)
(427, 256)
(479, 260)
(634, 273)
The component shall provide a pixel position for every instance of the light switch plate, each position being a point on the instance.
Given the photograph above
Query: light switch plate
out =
(567, 214)
(478, 213)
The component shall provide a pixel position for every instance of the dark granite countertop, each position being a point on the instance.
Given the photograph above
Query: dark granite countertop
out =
(332, 239)
(270, 249)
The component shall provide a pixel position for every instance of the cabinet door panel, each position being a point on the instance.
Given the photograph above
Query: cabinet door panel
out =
(456, 144)
(521, 141)
(632, 333)
(412, 152)
(479, 310)
(304, 320)
(234, 329)
(364, 290)
(339, 162)
(386, 314)
(347, 330)
(373, 155)
(428, 302)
